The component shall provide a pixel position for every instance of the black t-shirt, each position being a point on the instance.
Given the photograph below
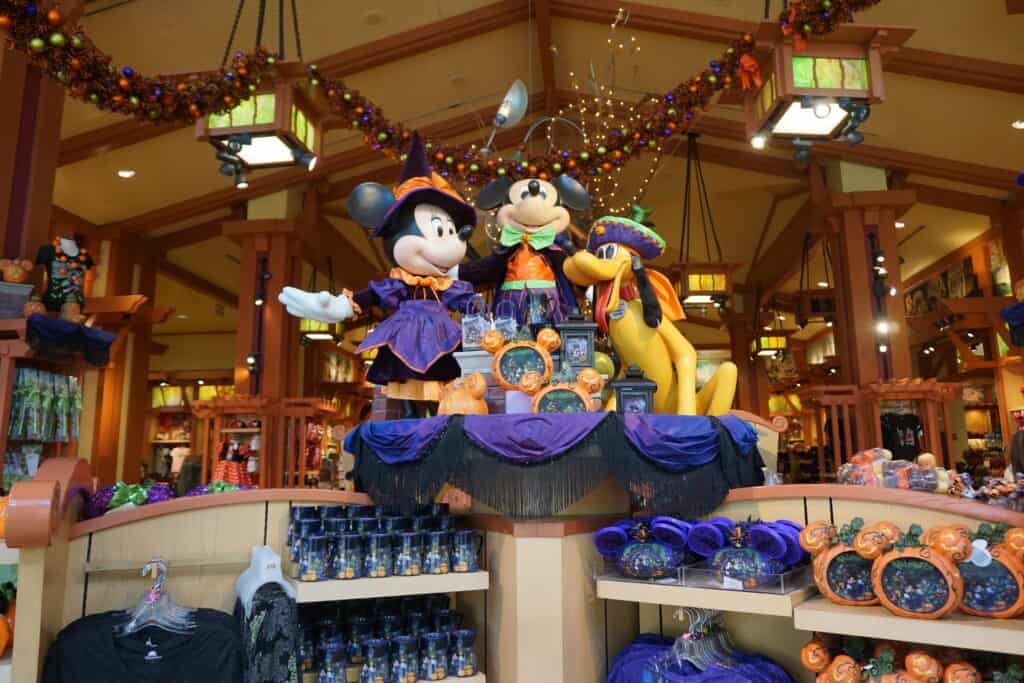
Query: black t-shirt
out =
(87, 651)
(65, 276)
(902, 435)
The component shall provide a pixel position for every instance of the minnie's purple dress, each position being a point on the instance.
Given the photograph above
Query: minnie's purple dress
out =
(416, 341)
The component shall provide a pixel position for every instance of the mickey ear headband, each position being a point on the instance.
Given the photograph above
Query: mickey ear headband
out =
(610, 541)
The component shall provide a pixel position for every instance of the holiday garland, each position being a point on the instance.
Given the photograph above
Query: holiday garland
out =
(68, 55)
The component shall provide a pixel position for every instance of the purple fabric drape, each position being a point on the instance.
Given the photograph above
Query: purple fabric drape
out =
(743, 434)
(674, 442)
(529, 438)
(398, 441)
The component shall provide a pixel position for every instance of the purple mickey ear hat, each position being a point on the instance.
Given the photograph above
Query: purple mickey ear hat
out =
(420, 185)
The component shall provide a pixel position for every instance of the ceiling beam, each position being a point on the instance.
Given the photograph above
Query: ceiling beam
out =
(174, 272)
(542, 18)
(954, 199)
(194, 234)
(979, 73)
(1015, 6)
(432, 36)
(776, 263)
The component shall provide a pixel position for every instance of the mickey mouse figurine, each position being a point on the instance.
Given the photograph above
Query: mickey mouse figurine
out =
(425, 225)
(527, 266)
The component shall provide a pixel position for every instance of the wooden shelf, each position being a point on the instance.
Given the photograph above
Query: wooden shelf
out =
(625, 590)
(352, 676)
(389, 587)
(168, 441)
(242, 430)
(955, 630)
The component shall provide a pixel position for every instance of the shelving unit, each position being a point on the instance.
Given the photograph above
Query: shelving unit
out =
(955, 630)
(241, 430)
(611, 587)
(389, 587)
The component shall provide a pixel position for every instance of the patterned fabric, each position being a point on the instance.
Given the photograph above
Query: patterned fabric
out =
(270, 636)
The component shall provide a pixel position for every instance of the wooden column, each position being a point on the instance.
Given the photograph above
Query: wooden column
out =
(30, 118)
(1013, 241)
(752, 392)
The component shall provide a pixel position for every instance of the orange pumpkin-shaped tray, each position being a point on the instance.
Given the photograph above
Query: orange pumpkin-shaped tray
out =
(841, 573)
(997, 589)
(514, 360)
(917, 581)
(563, 398)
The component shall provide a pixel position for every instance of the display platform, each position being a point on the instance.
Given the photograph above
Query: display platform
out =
(389, 587)
(538, 464)
(611, 587)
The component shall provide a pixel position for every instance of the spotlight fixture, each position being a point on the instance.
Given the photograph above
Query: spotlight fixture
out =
(879, 256)
(200, 382)
(126, 173)
(304, 159)
(882, 348)
(882, 327)
(759, 141)
(970, 335)
(241, 182)
(165, 383)
(893, 291)
(258, 301)
(900, 225)
(829, 321)
(832, 371)
(253, 361)
(1018, 124)
(823, 284)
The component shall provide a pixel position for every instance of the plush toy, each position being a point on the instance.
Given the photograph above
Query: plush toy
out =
(425, 225)
(637, 308)
(526, 267)
(15, 270)
(464, 396)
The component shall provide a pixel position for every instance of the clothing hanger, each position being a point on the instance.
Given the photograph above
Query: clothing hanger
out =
(155, 607)
(264, 568)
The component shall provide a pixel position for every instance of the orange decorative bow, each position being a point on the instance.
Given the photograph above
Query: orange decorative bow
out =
(437, 284)
(788, 30)
(419, 182)
(750, 73)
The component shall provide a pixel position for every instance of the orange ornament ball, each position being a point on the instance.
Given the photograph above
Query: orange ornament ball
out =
(5, 21)
(460, 166)
(54, 18)
(571, 163)
(228, 99)
(75, 64)
(532, 170)
(693, 88)
(617, 154)
(124, 83)
(607, 166)
(439, 156)
(117, 99)
(543, 176)
(671, 125)
(180, 87)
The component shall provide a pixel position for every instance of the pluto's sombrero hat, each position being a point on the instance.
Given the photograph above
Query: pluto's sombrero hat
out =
(629, 232)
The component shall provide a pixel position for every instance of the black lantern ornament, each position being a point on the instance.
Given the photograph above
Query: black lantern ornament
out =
(634, 393)
(577, 342)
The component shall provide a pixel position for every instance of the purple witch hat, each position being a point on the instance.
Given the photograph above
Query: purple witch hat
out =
(419, 185)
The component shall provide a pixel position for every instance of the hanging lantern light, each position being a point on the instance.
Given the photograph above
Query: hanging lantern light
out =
(277, 126)
(771, 340)
(816, 301)
(700, 282)
(820, 89)
(313, 331)
(279, 123)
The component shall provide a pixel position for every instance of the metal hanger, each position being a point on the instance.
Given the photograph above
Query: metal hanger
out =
(155, 608)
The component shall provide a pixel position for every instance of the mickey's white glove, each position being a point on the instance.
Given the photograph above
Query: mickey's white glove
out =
(321, 306)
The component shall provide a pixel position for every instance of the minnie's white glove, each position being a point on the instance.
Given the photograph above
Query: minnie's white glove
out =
(321, 306)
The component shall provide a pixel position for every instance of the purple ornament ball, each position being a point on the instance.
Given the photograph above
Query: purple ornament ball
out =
(97, 505)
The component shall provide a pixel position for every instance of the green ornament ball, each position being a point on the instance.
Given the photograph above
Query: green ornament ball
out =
(429, 145)
(556, 167)
(154, 114)
(61, 76)
(713, 78)
(57, 39)
(625, 149)
(314, 82)
(403, 157)
(77, 42)
(133, 102)
(808, 28)
(826, 3)
(382, 136)
(731, 51)
(271, 60)
(584, 155)
(599, 170)
(355, 123)
(602, 149)
(501, 171)
(313, 67)
(671, 112)
(37, 45)
(94, 98)
(473, 168)
(252, 87)
(347, 97)
(449, 160)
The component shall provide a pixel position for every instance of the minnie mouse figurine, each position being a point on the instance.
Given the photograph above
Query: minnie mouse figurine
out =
(526, 267)
(425, 225)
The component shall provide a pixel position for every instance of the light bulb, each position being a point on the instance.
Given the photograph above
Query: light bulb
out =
(822, 110)
(893, 291)
(126, 173)
(759, 141)
(200, 382)
(882, 327)
(882, 348)
(1018, 124)
(823, 283)
(900, 225)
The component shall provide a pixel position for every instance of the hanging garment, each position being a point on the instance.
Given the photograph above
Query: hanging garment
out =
(271, 636)
(87, 651)
(902, 434)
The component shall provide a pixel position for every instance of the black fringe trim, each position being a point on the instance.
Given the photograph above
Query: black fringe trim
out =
(537, 489)
(549, 487)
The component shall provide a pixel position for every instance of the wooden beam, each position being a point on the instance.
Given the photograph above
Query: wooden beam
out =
(950, 259)
(351, 268)
(1015, 6)
(953, 199)
(764, 229)
(435, 35)
(980, 73)
(777, 262)
(542, 18)
(196, 283)
(195, 234)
